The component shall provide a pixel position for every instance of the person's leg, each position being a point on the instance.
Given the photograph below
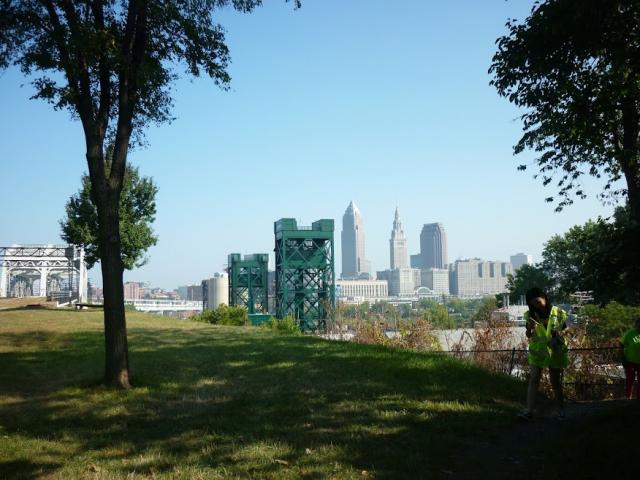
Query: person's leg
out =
(637, 375)
(534, 382)
(555, 375)
(629, 376)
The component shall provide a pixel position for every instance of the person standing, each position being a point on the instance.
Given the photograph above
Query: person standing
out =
(630, 343)
(547, 348)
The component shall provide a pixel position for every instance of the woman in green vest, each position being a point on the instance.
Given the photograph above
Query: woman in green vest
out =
(547, 348)
(630, 343)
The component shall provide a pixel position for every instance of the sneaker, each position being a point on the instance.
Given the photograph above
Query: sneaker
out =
(525, 415)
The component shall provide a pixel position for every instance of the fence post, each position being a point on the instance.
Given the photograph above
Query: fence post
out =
(513, 354)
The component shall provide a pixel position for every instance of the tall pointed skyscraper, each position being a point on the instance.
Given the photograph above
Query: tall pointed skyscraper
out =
(354, 263)
(397, 244)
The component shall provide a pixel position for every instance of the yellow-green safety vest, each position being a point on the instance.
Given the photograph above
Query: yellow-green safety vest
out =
(540, 352)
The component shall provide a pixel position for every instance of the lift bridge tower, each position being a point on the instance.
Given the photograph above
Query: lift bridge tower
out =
(305, 278)
(248, 286)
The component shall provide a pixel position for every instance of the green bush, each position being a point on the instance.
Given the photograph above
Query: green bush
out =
(224, 315)
(128, 307)
(605, 325)
(288, 325)
(237, 316)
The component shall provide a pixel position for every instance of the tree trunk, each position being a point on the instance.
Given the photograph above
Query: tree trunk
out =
(115, 325)
(632, 176)
(630, 161)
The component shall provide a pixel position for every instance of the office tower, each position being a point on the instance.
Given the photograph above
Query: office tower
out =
(436, 279)
(520, 259)
(132, 291)
(475, 277)
(397, 244)
(354, 262)
(183, 292)
(403, 281)
(433, 246)
(194, 293)
(415, 261)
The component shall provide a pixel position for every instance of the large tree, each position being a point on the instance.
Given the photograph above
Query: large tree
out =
(599, 256)
(574, 67)
(111, 64)
(526, 277)
(137, 213)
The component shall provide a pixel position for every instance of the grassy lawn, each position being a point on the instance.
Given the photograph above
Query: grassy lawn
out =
(230, 402)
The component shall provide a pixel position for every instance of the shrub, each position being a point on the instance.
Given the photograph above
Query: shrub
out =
(287, 325)
(420, 337)
(605, 325)
(371, 333)
(128, 307)
(416, 335)
(237, 316)
(224, 315)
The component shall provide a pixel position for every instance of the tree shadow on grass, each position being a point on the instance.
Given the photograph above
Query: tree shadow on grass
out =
(252, 404)
(25, 469)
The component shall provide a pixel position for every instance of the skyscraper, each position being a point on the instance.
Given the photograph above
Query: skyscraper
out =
(520, 259)
(354, 263)
(433, 246)
(397, 244)
(475, 277)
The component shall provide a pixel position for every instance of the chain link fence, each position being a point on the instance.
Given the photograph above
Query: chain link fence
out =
(592, 374)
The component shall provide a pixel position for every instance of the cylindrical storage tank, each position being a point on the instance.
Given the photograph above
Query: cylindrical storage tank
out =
(219, 288)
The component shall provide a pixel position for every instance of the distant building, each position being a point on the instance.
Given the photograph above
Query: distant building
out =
(97, 295)
(433, 246)
(512, 313)
(436, 279)
(403, 281)
(194, 293)
(520, 259)
(397, 245)
(215, 291)
(132, 291)
(183, 292)
(383, 275)
(476, 277)
(361, 290)
(354, 262)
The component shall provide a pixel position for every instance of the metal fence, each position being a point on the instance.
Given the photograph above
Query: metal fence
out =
(593, 373)
(64, 297)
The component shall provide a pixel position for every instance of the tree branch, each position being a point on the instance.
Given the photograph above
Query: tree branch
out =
(133, 46)
(105, 78)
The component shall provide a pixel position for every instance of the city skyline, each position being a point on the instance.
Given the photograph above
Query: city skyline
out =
(430, 232)
(131, 278)
(326, 125)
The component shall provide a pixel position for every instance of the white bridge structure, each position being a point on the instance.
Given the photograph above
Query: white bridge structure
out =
(165, 306)
(56, 271)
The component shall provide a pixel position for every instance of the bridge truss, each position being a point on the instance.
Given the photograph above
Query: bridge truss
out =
(248, 282)
(305, 273)
(56, 271)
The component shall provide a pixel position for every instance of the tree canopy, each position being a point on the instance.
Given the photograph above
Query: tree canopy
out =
(526, 277)
(574, 67)
(137, 213)
(599, 256)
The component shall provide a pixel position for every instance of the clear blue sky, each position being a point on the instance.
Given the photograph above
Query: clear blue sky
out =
(383, 103)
